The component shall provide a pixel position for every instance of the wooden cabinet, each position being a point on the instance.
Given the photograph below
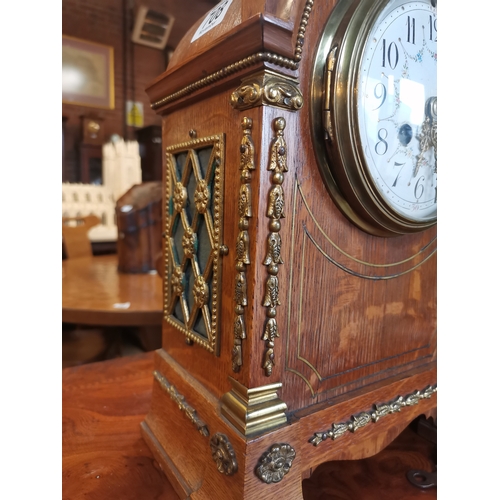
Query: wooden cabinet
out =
(90, 150)
(149, 139)
(64, 173)
(138, 219)
(90, 164)
(291, 335)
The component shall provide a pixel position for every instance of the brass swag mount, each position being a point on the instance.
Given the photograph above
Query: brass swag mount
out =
(275, 211)
(247, 164)
(379, 410)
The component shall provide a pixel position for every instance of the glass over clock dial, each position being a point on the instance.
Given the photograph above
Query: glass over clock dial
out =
(375, 85)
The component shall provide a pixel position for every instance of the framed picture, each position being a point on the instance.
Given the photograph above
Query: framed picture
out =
(87, 73)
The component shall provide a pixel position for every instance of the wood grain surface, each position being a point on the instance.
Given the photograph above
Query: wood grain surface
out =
(92, 285)
(104, 456)
(103, 453)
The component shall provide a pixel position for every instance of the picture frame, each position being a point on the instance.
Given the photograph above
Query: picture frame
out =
(87, 73)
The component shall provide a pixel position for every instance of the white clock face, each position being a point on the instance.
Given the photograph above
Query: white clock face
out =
(397, 107)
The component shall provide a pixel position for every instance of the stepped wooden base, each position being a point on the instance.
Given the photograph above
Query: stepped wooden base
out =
(193, 442)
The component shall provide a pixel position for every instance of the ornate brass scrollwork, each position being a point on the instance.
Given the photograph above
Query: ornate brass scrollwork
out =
(268, 89)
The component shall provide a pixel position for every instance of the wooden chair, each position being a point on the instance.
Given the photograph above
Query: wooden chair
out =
(74, 233)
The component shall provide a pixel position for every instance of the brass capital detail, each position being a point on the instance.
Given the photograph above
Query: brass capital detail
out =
(268, 89)
(256, 410)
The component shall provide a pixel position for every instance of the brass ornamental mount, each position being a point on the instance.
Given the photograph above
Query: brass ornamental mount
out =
(268, 89)
(254, 410)
(200, 292)
(378, 411)
(275, 463)
(201, 196)
(179, 399)
(223, 454)
(275, 211)
(247, 164)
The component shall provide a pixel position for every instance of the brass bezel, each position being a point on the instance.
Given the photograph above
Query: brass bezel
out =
(340, 157)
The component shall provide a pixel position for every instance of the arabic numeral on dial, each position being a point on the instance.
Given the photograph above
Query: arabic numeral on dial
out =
(419, 188)
(432, 29)
(380, 92)
(390, 54)
(382, 146)
(411, 30)
(396, 164)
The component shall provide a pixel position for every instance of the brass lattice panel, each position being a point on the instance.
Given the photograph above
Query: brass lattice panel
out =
(194, 238)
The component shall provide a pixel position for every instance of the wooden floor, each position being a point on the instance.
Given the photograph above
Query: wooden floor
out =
(105, 457)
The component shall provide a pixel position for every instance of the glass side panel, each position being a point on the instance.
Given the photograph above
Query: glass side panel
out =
(203, 159)
(199, 325)
(180, 159)
(204, 247)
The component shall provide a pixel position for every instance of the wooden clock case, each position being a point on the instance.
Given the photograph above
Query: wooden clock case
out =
(319, 339)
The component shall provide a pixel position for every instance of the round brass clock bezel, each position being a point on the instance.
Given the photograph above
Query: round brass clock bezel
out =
(333, 109)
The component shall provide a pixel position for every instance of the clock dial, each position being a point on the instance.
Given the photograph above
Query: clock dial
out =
(397, 107)
(375, 86)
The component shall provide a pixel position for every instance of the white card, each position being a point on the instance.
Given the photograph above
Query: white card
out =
(121, 305)
(212, 19)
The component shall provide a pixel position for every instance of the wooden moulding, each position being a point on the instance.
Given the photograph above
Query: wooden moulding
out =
(189, 64)
(258, 35)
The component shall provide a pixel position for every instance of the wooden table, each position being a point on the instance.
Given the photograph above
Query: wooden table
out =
(105, 457)
(91, 286)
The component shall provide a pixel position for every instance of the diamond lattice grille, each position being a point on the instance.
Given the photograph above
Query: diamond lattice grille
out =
(193, 234)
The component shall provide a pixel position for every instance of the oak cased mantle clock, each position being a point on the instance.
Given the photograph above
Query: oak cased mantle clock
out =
(300, 210)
